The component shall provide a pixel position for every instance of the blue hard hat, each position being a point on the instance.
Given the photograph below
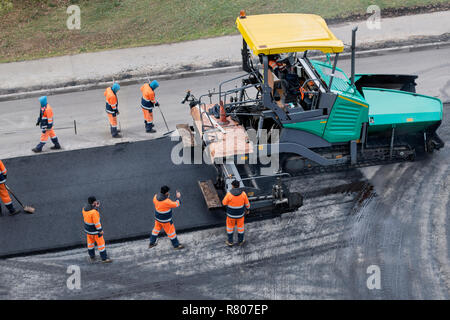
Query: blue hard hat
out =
(154, 84)
(43, 101)
(115, 87)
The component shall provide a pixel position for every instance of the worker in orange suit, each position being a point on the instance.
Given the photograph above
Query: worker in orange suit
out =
(4, 194)
(163, 217)
(237, 206)
(94, 230)
(112, 108)
(45, 121)
(276, 66)
(148, 102)
(305, 98)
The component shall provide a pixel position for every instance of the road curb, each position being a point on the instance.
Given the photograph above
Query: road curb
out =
(235, 66)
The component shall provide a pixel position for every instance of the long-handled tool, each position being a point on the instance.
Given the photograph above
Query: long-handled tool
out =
(27, 209)
(165, 122)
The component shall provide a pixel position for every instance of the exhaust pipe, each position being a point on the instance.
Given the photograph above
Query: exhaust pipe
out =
(353, 55)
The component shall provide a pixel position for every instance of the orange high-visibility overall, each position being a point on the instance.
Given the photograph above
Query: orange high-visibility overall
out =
(236, 202)
(111, 109)
(4, 194)
(148, 102)
(47, 124)
(163, 218)
(93, 229)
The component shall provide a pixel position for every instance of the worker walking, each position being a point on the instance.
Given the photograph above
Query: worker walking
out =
(4, 194)
(163, 217)
(94, 230)
(45, 121)
(147, 103)
(112, 108)
(237, 206)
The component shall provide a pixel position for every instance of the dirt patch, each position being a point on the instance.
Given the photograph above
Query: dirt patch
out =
(221, 64)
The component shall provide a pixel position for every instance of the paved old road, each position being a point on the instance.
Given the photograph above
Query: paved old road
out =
(321, 251)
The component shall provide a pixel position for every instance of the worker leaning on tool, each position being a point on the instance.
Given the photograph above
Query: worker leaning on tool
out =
(45, 121)
(94, 230)
(147, 103)
(4, 194)
(163, 217)
(112, 108)
(237, 206)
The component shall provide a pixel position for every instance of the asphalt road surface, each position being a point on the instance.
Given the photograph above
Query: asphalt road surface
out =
(123, 177)
(18, 133)
(326, 250)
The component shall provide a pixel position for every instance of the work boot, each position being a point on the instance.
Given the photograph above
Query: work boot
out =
(92, 259)
(241, 243)
(107, 260)
(13, 213)
(179, 247)
(115, 133)
(228, 243)
(56, 145)
(38, 148)
(12, 210)
(151, 245)
(149, 127)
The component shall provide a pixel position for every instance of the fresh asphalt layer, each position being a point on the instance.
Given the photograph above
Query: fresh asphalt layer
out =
(57, 183)
(124, 177)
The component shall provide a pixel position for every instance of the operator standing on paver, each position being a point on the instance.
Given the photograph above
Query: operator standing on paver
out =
(94, 230)
(45, 121)
(147, 103)
(4, 194)
(163, 217)
(112, 108)
(237, 206)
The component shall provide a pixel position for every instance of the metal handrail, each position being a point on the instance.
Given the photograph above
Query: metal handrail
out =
(232, 79)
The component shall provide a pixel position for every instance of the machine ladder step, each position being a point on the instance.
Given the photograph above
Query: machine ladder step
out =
(210, 194)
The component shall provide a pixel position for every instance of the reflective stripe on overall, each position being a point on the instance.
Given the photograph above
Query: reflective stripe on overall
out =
(148, 97)
(163, 208)
(236, 202)
(111, 101)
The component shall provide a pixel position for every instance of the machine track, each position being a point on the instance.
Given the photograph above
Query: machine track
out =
(317, 169)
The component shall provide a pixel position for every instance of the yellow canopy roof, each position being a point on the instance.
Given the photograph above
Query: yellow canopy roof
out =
(287, 32)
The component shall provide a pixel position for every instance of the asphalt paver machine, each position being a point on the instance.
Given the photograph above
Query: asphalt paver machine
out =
(292, 115)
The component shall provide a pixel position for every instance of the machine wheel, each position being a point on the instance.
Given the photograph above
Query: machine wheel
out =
(220, 183)
(430, 146)
(295, 200)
